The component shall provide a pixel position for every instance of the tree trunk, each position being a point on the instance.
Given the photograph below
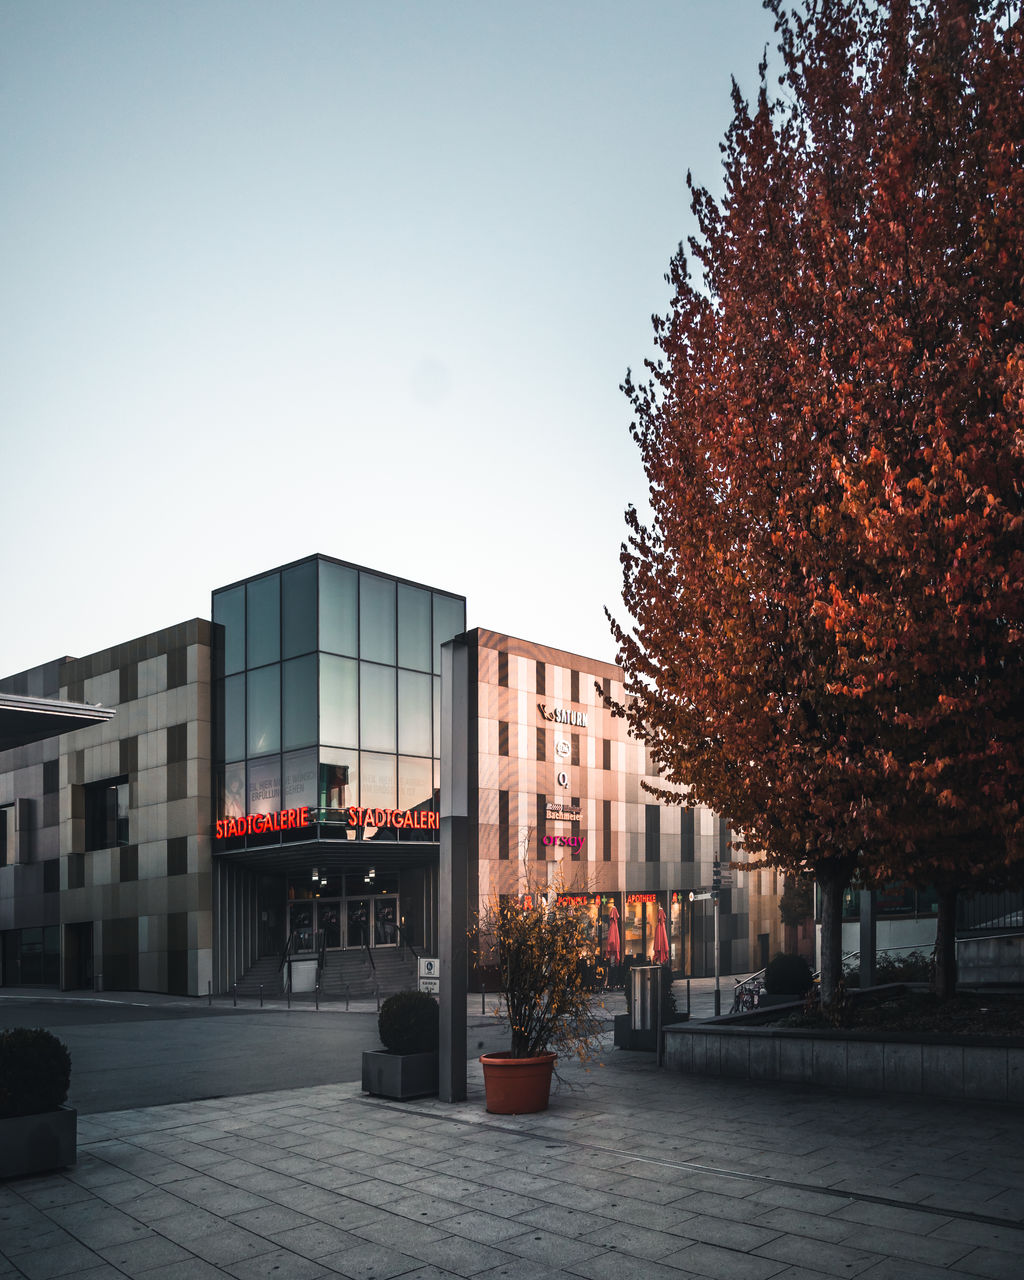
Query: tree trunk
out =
(945, 945)
(833, 876)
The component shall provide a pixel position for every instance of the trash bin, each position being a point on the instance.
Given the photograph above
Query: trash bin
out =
(646, 980)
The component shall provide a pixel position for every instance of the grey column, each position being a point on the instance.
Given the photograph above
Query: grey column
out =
(867, 938)
(453, 907)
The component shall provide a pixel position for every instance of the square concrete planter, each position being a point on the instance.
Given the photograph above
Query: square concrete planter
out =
(399, 1075)
(39, 1143)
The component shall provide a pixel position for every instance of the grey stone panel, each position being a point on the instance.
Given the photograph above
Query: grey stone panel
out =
(1015, 1075)
(735, 1056)
(764, 1057)
(986, 1073)
(707, 1056)
(796, 1059)
(829, 1063)
(865, 1064)
(902, 1068)
(942, 1070)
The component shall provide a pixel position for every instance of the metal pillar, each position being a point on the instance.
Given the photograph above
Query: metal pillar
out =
(453, 906)
(868, 975)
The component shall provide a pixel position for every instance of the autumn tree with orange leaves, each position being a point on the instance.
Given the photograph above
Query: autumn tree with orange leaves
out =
(827, 598)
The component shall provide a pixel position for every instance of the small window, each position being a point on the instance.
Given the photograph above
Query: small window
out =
(6, 834)
(574, 686)
(502, 738)
(51, 876)
(503, 669)
(503, 825)
(606, 753)
(575, 749)
(106, 814)
(541, 678)
(542, 745)
(51, 777)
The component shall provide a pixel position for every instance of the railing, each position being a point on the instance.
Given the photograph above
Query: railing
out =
(321, 956)
(289, 947)
(407, 946)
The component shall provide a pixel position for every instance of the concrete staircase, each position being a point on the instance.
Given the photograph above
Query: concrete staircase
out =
(347, 975)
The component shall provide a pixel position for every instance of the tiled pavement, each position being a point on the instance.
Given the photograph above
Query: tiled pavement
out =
(632, 1172)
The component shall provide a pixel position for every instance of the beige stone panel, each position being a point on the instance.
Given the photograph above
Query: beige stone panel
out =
(152, 675)
(104, 689)
(98, 867)
(182, 818)
(152, 860)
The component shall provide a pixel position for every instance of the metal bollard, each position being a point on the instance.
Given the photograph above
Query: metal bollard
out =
(209, 992)
(316, 996)
(261, 995)
(288, 993)
(234, 994)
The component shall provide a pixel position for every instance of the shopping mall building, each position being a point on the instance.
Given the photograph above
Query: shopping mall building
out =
(268, 787)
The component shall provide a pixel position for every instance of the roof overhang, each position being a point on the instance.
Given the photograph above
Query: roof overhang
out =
(24, 720)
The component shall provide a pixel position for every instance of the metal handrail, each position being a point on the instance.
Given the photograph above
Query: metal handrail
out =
(289, 947)
(406, 944)
(321, 955)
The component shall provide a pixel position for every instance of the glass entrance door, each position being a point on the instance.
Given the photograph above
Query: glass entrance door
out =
(385, 921)
(357, 919)
(328, 922)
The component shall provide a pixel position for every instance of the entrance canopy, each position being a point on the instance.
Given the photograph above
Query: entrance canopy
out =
(25, 720)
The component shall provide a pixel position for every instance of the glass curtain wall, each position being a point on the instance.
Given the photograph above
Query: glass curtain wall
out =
(328, 689)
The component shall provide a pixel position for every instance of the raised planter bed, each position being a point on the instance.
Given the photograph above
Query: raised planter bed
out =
(961, 1067)
(38, 1143)
(399, 1075)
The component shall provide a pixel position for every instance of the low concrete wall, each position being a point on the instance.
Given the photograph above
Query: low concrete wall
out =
(962, 1067)
(992, 960)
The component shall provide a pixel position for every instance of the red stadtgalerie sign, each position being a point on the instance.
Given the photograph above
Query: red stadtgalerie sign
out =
(293, 819)
(257, 823)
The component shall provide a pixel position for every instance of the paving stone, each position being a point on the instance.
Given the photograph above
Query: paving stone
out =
(723, 1264)
(372, 1262)
(67, 1259)
(550, 1250)
(487, 1228)
(797, 1222)
(818, 1255)
(993, 1263)
(143, 1254)
(316, 1241)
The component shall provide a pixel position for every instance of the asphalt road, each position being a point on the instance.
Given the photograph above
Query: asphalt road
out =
(127, 1053)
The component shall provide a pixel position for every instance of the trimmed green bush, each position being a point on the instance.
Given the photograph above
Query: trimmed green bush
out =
(35, 1071)
(788, 975)
(408, 1023)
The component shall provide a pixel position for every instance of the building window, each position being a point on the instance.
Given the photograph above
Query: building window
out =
(574, 758)
(688, 836)
(542, 745)
(128, 864)
(503, 826)
(106, 814)
(541, 678)
(502, 738)
(51, 777)
(652, 833)
(606, 753)
(51, 876)
(606, 831)
(6, 834)
(503, 669)
(574, 686)
(542, 827)
(177, 856)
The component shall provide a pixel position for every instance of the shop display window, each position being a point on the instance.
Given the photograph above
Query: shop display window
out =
(298, 680)
(339, 609)
(414, 708)
(263, 621)
(298, 609)
(377, 707)
(413, 627)
(339, 701)
(376, 618)
(263, 711)
(229, 612)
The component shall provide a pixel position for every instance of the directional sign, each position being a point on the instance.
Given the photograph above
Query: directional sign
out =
(430, 974)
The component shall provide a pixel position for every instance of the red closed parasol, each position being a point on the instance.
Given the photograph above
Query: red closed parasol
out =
(660, 953)
(612, 948)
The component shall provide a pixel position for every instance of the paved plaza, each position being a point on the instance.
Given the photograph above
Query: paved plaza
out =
(632, 1172)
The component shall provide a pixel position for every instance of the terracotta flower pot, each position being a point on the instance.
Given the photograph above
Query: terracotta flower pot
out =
(517, 1086)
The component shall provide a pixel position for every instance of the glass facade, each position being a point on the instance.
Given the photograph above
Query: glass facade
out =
(327, 692)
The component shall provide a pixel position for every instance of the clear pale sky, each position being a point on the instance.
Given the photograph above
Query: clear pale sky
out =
(360, 278)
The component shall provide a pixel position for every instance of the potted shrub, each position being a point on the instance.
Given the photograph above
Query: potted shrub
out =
(545, 957)
(37, 1132)
(787, 979)
(407, 1065)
